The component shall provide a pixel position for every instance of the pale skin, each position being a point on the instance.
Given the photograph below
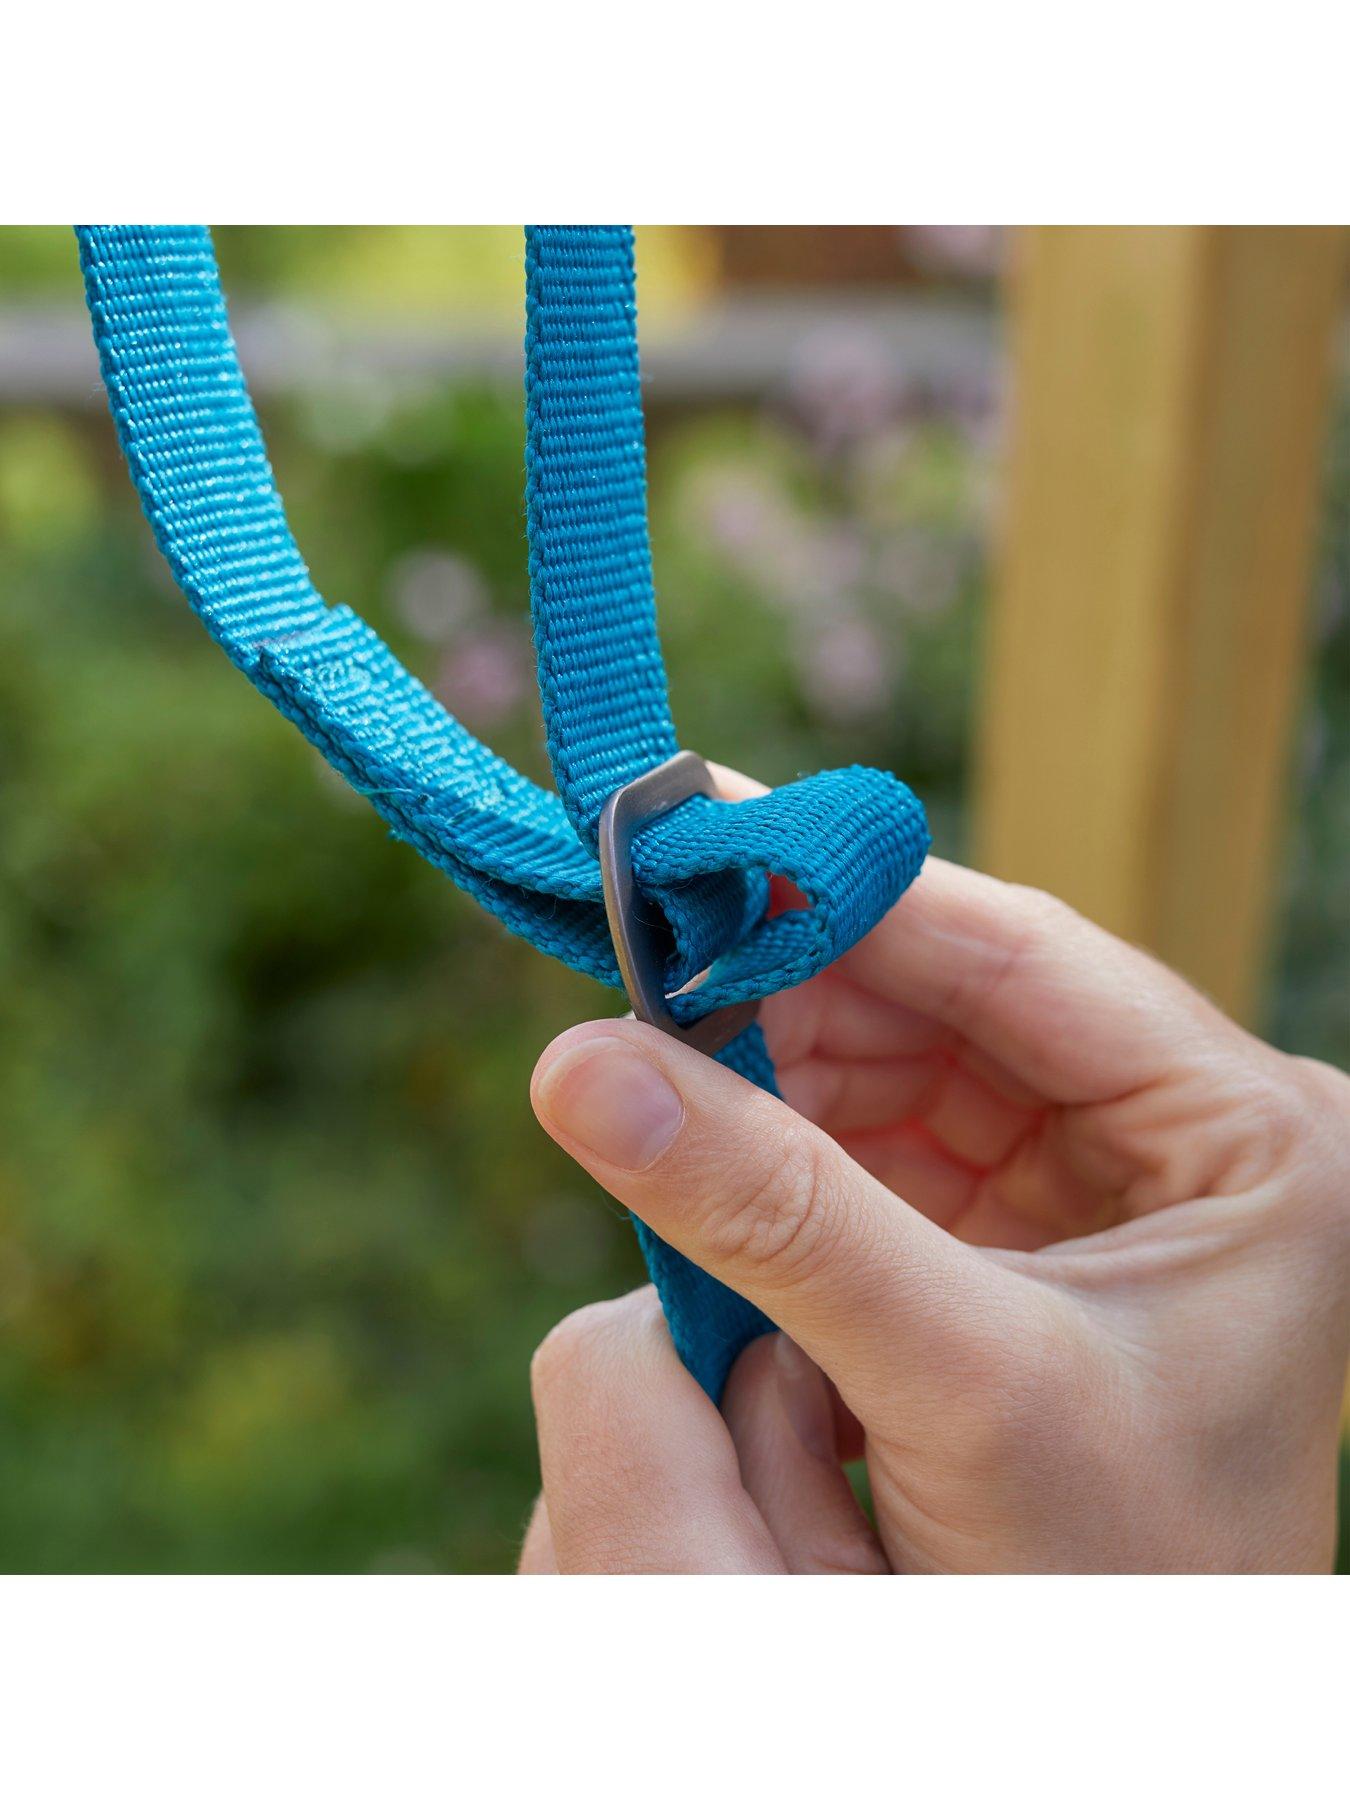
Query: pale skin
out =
(1056, 1246)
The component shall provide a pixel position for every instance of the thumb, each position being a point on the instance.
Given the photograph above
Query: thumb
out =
(876, 1294)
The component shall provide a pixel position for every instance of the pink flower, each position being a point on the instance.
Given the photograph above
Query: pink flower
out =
(437, 593)
(846, 670)
(971, 251)
(487, 675)
(922, 569)
(844, 385)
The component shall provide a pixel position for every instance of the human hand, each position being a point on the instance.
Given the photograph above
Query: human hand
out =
(1072, 1249)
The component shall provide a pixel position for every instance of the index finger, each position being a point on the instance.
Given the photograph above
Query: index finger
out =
(1075, 1013)
(639, 1472)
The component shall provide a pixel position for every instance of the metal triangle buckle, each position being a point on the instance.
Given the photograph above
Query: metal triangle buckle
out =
(637, 943)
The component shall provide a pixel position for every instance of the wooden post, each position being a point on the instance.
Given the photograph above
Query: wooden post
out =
(1145, 647)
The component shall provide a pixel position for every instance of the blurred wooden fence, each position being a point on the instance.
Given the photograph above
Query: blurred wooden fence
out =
(1145, 649)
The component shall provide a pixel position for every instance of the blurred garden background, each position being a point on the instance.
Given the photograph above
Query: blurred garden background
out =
(277, 1229)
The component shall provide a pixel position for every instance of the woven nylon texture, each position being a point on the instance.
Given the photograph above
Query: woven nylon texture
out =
(852, 839)
(601, 678)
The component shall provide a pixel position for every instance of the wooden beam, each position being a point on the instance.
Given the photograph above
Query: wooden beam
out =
(1145, 646)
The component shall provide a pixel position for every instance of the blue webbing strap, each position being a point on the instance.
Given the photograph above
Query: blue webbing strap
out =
(601, 677)
(851, 839)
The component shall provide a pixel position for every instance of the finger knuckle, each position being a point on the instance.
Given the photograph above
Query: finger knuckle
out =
(555, 1354)
(1284, 1140)
(578, 1346)
(779, 1218)
(1038, 909)
(1035, 917)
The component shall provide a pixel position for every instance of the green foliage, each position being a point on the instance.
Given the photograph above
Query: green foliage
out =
(277, 1231)
(1310, 1011)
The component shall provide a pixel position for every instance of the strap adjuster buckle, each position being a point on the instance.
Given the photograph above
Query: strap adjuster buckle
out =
(637, 945)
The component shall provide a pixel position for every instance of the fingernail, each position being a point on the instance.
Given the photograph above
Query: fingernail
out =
(612, 1101)
(805, 1399)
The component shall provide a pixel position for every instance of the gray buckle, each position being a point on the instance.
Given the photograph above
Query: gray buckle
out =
(637, 944)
